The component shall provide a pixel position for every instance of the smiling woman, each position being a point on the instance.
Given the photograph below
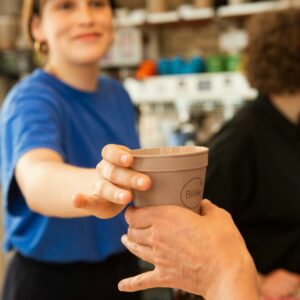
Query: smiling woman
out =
(53, 126)
(34, 7)
(50, 27)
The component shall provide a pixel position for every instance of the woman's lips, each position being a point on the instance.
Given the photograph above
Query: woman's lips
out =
(88, 36)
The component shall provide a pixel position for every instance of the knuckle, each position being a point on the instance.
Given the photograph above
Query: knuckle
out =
(110, 172)
(136, 248)
(105, 150)
(155, 235)
(158, 261)
(99, 166)
(113, 173)
(159, 243)
(164, 277)
(151, 238)
(129, 218)
(101, 186)
(116, 193)
(133, 180)
(139, 282)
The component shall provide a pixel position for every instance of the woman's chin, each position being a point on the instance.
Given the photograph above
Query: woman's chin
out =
(87, 57)
(88, 60)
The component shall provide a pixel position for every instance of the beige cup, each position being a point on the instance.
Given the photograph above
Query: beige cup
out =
(177, 173)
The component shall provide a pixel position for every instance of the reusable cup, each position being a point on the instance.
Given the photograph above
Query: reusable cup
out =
(177, 174)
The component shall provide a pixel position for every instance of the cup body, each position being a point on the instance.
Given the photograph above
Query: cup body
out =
(177, 174)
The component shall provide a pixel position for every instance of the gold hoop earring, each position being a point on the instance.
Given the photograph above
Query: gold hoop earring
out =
(41, 47)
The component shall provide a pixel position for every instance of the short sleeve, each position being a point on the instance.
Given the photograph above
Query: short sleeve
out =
(30, 119)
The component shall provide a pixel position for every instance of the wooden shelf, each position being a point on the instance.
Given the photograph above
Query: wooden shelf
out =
(186, 15)
(247, 9)
(161, 18)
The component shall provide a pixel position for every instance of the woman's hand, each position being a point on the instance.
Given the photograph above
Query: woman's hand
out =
(115, 179)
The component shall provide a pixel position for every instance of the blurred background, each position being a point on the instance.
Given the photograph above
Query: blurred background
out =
(180, 60)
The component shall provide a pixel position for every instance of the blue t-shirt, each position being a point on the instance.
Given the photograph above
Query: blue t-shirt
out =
(43, 112)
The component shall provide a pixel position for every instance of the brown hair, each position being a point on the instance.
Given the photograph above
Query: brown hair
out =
(30, 9)
(273, 55)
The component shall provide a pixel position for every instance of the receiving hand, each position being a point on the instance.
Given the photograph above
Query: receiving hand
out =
(194, 253)
(112, 191)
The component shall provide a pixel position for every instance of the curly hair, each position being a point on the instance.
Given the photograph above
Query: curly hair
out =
(273, 54)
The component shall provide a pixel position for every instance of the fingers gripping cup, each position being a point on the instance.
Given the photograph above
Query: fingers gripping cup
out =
(177, 173)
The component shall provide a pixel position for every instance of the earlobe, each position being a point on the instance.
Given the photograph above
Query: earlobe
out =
(40, 45)
(37, 30)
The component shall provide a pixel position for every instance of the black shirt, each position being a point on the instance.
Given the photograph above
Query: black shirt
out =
(254, 173)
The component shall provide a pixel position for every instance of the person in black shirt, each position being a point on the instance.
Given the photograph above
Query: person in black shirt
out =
(254, 160)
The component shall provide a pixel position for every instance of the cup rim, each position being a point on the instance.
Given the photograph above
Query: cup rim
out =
(183, 151)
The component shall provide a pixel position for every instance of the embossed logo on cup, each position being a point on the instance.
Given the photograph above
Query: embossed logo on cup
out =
(191, 193)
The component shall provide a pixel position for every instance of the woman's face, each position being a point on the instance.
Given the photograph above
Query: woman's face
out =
(77, 31)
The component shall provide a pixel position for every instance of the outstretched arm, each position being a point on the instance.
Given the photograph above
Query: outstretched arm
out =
(52, 187)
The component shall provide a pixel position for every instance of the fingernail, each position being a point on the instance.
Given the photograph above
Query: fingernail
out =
(124, 238)
(140, 182)
(78, 202)
(120, 286)
(124, 159)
